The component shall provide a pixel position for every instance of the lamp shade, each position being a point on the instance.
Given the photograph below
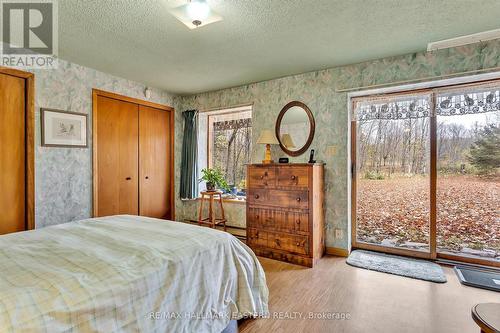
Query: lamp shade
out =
(286, 140)
(267, 137)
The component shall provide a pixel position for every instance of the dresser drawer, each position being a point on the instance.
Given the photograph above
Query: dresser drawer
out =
(289, 243)
(269, 219)
(257, 196)
(257, 237)
(253, 217)
(300, 221)
(288, 199)
(261, 177)
(293, 178)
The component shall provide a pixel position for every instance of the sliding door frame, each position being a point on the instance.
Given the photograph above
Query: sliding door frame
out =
(95, 94)
(29, 90)
(432, 88)
(431, 254)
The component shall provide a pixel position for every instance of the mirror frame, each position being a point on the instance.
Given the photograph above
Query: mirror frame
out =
(312, 128)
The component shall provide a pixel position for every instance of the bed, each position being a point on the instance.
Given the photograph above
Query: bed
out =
(127, 274)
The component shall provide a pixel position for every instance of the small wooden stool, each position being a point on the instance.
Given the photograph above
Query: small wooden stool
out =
(211, 220)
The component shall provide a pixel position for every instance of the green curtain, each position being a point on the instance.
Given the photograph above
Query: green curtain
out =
(189, 163)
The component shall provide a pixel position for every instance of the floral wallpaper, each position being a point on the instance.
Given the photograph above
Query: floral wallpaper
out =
(63, 176)
(320, 91)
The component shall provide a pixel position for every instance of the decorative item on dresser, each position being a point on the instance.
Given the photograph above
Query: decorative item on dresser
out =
(267, 138)
(285, 217)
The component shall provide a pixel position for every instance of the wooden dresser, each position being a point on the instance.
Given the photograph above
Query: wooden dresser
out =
(285, 217)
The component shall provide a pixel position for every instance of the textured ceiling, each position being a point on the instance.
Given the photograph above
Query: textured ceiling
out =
(258, 39)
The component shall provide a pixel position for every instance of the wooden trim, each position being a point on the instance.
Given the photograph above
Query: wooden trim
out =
(312, 128)
(42, 125)
(16, 73)
(30, 141)
(470, 260)
(337, 251)
(95, 94)
(433, 179)
(131, 100)
(30, 151)
(391, 250)
(95, 192)
(172, 164)
(353, 182)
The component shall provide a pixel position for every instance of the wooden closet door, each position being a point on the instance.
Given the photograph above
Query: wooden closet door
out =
(12, 154)
(154, 162)
(117, 157)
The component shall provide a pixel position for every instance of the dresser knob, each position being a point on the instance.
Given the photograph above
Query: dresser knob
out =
(298, 243)
(256, 196)
(293, 177)
(298, 199)
(298, 221)
(256, 217)
(261, 177)
(265, 183)
(257, 234)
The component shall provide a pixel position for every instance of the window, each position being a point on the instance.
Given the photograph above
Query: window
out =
(426, 172)
(228, 135)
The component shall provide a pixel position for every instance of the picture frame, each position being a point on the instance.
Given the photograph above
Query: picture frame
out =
(64, 129)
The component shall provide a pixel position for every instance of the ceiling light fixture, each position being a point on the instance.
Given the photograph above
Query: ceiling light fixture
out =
(198, 11)
(193, 14)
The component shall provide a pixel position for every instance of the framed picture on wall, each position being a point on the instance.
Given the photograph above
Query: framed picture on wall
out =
(64, 129)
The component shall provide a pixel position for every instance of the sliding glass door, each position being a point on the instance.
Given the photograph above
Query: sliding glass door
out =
(468, 182)
(392, 182)
(426, 173)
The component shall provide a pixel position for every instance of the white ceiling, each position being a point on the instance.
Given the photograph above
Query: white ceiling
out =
(257, 39)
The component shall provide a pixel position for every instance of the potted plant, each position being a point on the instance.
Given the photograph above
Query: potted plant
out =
(214, 178)
(242, 186)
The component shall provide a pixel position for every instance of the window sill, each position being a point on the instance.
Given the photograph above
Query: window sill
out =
(227, 200)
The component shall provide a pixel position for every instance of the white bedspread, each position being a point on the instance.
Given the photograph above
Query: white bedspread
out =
(127, 274)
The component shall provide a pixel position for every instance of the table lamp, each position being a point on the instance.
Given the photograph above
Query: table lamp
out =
(286, 140)
(268, 138)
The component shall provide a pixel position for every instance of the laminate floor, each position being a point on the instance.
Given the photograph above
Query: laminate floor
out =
(342, 298)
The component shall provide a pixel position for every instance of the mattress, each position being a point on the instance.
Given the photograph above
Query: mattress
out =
(127, 274)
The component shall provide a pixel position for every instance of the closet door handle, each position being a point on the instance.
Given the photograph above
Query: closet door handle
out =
(128, 178)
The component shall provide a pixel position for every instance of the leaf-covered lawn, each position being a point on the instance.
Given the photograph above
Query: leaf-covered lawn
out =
(397, 210)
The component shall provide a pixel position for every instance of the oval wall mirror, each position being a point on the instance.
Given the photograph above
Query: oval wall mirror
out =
(295, 128)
